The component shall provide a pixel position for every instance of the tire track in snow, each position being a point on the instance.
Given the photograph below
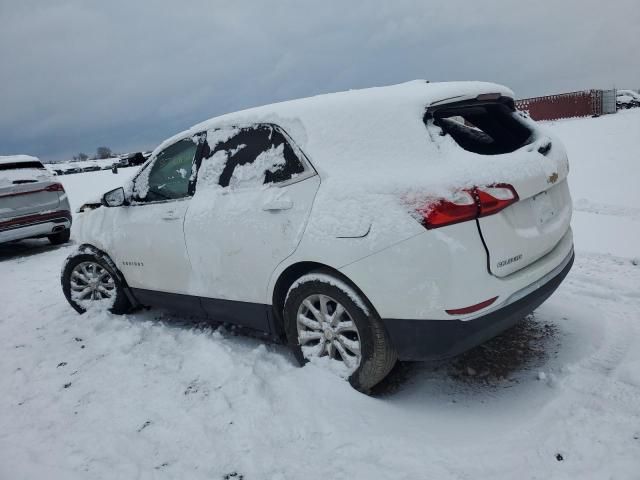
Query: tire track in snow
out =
(584, 205)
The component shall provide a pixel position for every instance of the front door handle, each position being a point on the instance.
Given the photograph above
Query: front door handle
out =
(277, 204)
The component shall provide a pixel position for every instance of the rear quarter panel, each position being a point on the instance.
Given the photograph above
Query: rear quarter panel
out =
(344, 229)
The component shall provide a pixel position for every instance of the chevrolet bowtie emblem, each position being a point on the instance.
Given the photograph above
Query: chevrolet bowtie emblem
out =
(553, 178)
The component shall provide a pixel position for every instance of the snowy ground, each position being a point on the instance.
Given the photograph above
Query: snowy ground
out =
(140, 397)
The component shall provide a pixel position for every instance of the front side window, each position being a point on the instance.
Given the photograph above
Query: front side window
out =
(169, 175)
(249, 157)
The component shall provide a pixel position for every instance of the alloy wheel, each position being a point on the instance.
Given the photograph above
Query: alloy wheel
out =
(91, 281)
(325, 328)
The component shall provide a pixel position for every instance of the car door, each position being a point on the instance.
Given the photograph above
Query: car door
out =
(254, 193)
(151, 250)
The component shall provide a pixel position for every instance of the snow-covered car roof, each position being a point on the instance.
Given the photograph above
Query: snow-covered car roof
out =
(17, 159)
(628, 93)
(365, 129)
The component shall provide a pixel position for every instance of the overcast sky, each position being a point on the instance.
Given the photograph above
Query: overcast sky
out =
(127, 74)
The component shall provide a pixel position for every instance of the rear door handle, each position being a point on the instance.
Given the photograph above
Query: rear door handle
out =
(277, 204)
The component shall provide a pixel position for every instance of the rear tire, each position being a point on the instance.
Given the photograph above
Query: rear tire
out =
(316, 335)
(60, 237)
(82, 272)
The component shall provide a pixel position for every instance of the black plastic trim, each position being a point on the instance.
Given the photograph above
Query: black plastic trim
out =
(254, 316)
(438, 339)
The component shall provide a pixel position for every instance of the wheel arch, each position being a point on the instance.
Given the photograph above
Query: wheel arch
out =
(87, 248)
(288, 276)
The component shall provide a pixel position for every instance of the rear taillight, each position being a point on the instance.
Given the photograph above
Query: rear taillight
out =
(495, 198)
(461, 208)
(468, 205)
(55, 187)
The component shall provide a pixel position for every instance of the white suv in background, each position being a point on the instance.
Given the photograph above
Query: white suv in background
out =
(405, 222)
(32, 203)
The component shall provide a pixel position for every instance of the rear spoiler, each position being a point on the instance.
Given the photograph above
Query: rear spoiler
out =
(482, 99)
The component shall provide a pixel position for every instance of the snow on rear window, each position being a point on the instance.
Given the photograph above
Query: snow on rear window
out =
(247, 157)
(253, 174)
(211, 169)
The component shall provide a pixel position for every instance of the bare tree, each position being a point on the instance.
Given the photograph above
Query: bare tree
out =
(82, 156)
(103, 152)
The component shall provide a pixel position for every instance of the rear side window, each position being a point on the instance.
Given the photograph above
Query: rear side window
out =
(251, 156)
(483, 128)
(21, 165)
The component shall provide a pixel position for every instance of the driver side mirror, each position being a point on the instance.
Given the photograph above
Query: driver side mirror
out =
(114, 198)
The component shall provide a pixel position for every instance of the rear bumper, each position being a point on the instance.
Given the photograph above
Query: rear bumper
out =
(38, 225)
(437, 339)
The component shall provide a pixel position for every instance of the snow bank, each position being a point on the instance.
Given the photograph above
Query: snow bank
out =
(604, 158)
(140, 397)
(605, 168)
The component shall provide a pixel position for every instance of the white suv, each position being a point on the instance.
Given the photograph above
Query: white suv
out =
(405, 222)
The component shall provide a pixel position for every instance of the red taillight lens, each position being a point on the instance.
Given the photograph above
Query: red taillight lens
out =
(55, 187)
(495, 198)
(461, 208)
(468, 205)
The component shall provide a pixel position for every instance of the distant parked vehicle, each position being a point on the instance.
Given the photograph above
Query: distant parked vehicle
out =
(91, 168)
(71, 170)
(32, 203)
(136, 159)
(122, 163)
(132, 160)
(627, 99)
(407, 222)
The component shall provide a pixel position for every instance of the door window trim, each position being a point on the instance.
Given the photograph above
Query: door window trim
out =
(309, 170)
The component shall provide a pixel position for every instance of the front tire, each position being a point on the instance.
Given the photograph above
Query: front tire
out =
(326, 317)
(89, 282)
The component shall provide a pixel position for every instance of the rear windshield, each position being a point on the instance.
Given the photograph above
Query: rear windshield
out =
(489, 128)
(21, 165)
